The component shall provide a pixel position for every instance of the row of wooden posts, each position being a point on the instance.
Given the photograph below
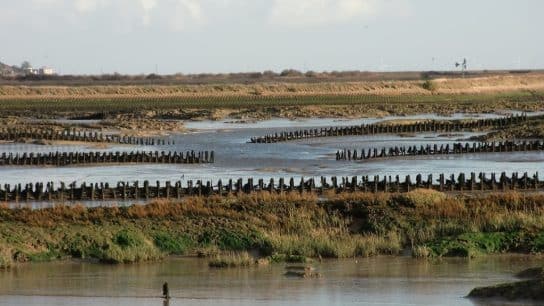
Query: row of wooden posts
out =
(383, 128)
(82, 158)
(443, 149)
(16, 134)
(136, 191)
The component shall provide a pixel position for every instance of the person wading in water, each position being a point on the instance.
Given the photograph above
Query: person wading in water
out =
(165, 291)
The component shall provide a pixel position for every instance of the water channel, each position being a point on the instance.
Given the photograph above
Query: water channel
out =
(379, 280)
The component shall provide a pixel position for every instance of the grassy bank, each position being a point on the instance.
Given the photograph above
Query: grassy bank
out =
(265, 107)
(262, 100)
(279, 226)
(135, 102)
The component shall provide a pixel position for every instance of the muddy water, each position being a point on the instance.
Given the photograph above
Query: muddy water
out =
(369, 281)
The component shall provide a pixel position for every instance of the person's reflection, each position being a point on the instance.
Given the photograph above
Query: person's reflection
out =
(166, 302)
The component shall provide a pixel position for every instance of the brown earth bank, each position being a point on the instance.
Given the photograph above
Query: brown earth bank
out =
(533, 128)
(127, 124)
(289, 226)
(527, 290)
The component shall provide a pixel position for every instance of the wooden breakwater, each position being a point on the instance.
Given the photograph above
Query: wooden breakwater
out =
(443, 149)
(384, 128)
(88, 158)
(18, 134)
(177, 190)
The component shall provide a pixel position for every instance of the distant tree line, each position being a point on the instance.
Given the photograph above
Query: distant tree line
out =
(287, 75)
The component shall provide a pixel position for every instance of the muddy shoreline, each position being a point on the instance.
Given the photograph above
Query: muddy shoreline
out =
(159, 123)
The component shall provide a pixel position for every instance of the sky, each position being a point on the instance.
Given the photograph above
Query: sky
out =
(217, 36)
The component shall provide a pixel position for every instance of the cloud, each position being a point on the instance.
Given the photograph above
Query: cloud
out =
(147, 6)
(186, 13)
(85, 6)
(119, 15)
(301, 13)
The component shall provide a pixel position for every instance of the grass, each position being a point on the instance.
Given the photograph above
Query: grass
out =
(265, 107)
(286, 228)
(232, 260)
(282, 99)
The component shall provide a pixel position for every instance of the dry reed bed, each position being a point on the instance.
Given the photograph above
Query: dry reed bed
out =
(442, 86)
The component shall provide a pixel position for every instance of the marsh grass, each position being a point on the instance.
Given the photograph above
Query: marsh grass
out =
(232, 260)
(334, 245)
(286, 227)
(6, 257)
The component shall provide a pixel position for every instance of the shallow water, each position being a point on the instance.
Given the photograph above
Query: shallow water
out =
(326, 122)
(368, 281)
(235, 158)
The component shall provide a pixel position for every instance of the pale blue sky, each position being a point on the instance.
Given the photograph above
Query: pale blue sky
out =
(191, 36)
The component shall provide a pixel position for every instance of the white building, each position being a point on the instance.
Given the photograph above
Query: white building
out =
(46, 71)
(31, 71)
(41, 71)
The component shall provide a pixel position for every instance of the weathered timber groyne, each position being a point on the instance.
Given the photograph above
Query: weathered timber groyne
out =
(84, 158)
(18, 134)
(443, 149)
(385, 128)
(137, 191)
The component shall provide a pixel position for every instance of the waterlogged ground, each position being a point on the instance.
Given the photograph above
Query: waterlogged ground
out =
(236, 158)
(367, 281)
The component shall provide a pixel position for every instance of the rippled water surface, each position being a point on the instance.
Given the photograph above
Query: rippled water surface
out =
(370, 281)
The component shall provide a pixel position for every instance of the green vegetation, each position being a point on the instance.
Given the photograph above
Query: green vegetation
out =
(168, 243)
(429, 85)
(287, 227)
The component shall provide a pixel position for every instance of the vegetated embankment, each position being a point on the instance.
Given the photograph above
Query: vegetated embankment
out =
(279, 99)
(430, 223)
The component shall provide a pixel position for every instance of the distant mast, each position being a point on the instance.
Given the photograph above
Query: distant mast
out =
(463, 66)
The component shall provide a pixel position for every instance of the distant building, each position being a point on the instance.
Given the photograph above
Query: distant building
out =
(47, 71)
(40, 71)
(31, 71)
(7, 73)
